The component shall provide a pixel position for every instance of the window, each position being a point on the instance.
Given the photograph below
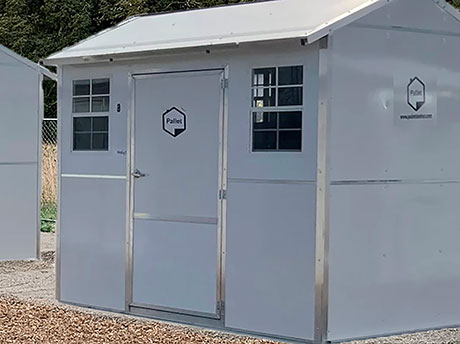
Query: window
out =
(91, 96)
(277, 107)
(90, 133)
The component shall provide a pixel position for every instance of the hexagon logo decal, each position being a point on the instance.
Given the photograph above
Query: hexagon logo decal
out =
(416, 93)
(174, 122)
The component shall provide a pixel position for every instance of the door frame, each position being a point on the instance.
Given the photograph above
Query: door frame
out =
(165, 312)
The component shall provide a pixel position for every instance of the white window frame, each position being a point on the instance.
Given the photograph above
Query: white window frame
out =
(277, 109)
(91, 114)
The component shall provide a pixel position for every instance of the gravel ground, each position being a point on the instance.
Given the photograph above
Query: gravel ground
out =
(29, 314)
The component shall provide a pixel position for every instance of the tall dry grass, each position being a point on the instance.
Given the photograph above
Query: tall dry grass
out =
(49, 174)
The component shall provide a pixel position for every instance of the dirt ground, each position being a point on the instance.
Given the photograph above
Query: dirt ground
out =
(29, 314)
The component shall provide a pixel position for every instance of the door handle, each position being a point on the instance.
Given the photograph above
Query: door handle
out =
(138, 174)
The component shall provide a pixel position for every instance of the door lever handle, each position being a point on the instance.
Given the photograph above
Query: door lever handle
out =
(138, 174)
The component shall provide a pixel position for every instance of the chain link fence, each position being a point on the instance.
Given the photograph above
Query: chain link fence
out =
(49, 174)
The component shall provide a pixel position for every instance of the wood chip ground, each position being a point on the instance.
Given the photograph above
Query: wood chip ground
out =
(29, 315)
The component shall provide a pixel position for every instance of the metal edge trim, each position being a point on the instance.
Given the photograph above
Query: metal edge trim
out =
(383, 335)
(393, 182)
(93, 176)
(322, 194)
(130, 196)
(270, 181)
(59, 186)
(40, 115)
(176, 311)
(182, 219)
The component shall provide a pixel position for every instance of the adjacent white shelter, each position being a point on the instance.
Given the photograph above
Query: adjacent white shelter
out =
(287, 168)
(21, 104)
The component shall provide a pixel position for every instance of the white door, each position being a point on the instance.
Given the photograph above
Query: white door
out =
(177, 177)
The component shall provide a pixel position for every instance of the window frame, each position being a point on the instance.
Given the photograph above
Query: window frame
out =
(277, 109)
(91, 132)
(90, 114)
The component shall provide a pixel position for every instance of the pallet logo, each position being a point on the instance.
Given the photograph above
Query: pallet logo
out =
(174, 122)
(416, 99)
(416, 93)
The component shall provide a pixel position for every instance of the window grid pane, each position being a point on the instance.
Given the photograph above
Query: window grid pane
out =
(278, 91)
(91, 133)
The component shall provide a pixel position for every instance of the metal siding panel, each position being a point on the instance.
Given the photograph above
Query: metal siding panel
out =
(92, 242)
(19, 101)
(18, 211)
(270, 282)
(404, 270)
(370, 74)
(183, 275)
(414, 14)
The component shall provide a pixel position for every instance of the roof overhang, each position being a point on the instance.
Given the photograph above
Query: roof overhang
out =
(308, 35)
(118, 42)
(36, 67)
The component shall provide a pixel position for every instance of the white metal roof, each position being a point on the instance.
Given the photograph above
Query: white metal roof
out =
(39, 69)
(227, 25)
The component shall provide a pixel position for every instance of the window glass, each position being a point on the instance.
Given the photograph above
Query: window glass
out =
(264, 140)
(91, 132)
(82, 124)
(101, 123)
(264, 77)
(82, 141)
(291, 75)
(80, 105)
(290, 120)
(100, 141)
(101, 86)
(81, 88)
(290, 140)
(265, 120)
(264, 97)
(100, 104)
(277, 106)
(290, 96)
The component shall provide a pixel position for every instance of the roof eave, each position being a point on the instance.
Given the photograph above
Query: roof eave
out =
(308, 37)
(36, 67)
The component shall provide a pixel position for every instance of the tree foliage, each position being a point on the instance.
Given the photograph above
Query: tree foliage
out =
(37, 28)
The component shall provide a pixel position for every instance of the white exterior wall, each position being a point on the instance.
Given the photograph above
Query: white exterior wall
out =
(395, 184)
(20, 137)
(93, 223)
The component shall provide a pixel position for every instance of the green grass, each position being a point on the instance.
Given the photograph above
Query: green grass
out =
(48, 217)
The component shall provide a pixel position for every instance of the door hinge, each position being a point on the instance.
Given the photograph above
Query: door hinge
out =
(222, 194)
(224, 83)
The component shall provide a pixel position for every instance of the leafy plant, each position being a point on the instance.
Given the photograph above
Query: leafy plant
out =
(48, 217)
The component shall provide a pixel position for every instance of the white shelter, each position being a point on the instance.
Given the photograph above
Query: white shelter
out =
(21, 104)
(287, 168)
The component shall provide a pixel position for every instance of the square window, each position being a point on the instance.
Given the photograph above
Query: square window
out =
(277, 108)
